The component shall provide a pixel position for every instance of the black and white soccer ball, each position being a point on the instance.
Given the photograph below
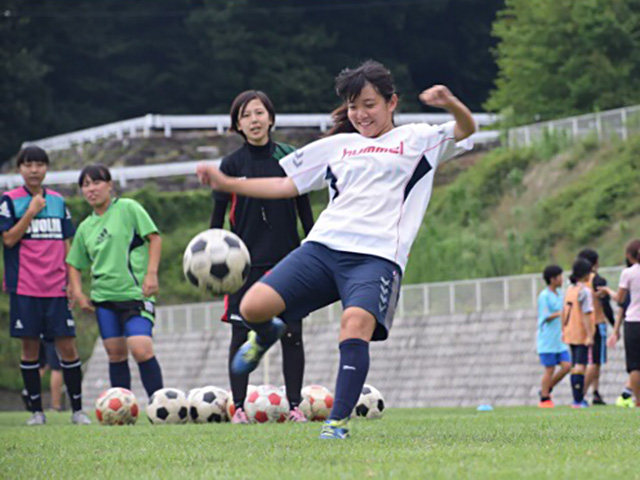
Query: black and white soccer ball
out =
(209, 405)
(370, 404)
(168, 406)
(217, 261)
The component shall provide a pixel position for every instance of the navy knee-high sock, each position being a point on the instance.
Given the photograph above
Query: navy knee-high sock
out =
(72, 374)
(31, 377)
(354, 366)
(151, 375)
(577, 387)
(119, 374)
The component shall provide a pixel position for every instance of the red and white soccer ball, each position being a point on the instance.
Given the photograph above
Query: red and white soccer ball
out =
(317, 402)
(370, 404)
(231, 407)
(117, 406)
(208, 405)
(266, 404)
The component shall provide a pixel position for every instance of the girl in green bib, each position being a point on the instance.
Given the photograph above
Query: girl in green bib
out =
(119, 243)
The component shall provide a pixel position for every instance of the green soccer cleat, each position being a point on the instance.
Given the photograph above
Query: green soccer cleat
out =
(250, 353)
(335, 429)
(625, 402)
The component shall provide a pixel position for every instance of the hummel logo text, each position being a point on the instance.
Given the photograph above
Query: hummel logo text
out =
(348, 367)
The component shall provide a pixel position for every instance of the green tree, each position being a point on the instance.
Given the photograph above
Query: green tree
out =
(25, 99)
(562, 57)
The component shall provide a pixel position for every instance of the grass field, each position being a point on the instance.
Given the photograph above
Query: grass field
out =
(408, 443)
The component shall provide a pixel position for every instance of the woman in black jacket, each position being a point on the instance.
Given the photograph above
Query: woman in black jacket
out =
(269, 229)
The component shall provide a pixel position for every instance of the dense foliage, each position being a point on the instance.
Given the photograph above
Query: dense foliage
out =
(561, 57)
(74, 64)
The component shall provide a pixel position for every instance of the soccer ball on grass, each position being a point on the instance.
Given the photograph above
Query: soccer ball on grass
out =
(370, 404)
(208, 405)
(168, 406)
(317, 402)
(265, 404)
(117, 406)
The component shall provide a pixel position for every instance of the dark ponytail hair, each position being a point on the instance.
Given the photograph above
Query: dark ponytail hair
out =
(633, 249)
(349, 84)
(580, 269)
(94, 172)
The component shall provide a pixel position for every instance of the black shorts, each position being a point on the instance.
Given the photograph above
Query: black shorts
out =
(632, 345)
(579, 354)
(598, 351)
(232, 302)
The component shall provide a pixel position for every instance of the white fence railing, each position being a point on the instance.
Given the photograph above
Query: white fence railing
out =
(619, 123)
(125, 174)
(142, 126)
(444, 298)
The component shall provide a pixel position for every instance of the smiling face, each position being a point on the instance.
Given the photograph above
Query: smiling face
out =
(33, 174)
(370, 113)
(255, 122)
(97, 193)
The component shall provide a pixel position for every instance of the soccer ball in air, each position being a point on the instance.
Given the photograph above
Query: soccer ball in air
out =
(208, 405)
(267, 403)
(217, 260)
(117, 406)
(316, 402)
(370, 404)
(168, 405)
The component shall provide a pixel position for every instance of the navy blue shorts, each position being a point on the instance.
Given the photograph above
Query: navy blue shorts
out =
(48, 317)
(314, 276)
(125, 319)
(49, 355)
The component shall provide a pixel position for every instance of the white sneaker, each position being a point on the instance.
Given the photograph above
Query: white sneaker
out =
(80, 418)
(37, 418)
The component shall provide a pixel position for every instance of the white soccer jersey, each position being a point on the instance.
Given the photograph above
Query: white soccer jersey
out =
(379, 188)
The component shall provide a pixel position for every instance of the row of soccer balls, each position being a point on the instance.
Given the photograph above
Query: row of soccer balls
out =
(266, 403)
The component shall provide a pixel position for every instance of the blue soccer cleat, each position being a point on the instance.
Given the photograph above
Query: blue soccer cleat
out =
(335, 429)
(248, 356)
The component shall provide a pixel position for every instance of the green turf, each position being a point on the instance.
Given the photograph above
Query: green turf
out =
(408, 443)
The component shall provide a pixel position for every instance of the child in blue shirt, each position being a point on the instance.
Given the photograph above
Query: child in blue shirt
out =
(553, 352)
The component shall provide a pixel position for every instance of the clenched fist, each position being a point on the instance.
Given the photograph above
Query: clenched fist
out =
(438, 96)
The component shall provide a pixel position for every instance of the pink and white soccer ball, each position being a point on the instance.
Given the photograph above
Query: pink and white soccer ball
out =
(266, 404)
(317, 402)
(117, 406)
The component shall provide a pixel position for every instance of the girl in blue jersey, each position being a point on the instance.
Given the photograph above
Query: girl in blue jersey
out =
(380, 178)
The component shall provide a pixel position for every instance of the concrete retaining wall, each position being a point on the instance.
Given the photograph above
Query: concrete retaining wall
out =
(455, 360)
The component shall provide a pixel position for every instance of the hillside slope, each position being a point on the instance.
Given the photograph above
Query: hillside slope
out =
(517, 210)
